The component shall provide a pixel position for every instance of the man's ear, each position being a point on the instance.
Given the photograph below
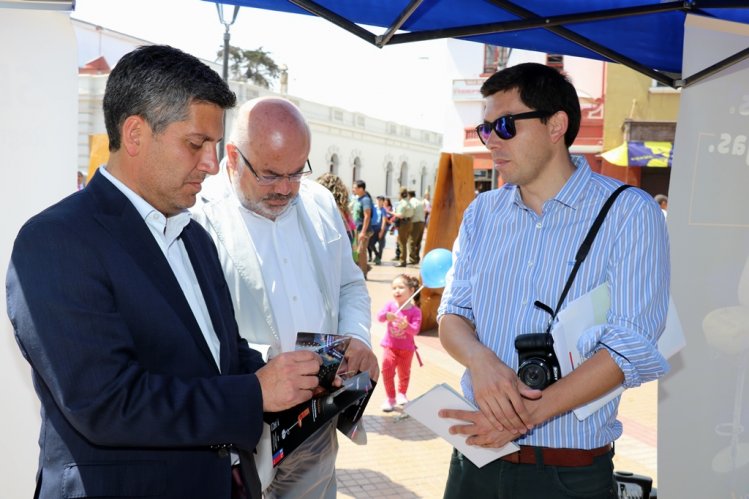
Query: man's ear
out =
(557, 124)
(231, 158)
(134, 130)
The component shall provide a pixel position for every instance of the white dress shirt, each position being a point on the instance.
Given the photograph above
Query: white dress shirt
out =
(288, 274)
(166, 232)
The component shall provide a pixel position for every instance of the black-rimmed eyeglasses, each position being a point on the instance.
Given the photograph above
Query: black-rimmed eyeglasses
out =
(294, 178)
(504, 126)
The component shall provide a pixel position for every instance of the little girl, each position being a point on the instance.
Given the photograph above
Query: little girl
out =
(398, 343)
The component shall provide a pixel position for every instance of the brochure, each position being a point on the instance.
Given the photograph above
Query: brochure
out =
(289, 428)
(587, 311)
(331, 347)
(425, 409)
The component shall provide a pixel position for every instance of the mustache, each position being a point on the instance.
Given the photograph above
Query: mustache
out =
(278, 197)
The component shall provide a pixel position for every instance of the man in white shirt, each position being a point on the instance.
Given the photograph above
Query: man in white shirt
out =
(287, 259)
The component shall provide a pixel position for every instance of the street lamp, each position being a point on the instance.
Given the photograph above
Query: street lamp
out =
(227, 36)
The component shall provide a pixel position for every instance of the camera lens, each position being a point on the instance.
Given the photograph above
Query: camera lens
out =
(535, 374)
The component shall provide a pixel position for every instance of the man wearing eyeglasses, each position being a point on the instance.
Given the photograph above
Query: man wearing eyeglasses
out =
(287, 258)
(514, 253)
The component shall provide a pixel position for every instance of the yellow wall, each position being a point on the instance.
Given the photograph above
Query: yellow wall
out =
(629, 95)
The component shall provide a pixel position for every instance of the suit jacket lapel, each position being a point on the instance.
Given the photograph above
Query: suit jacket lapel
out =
(232, 234)
(313, 230)
(198, 252)
(117, 214)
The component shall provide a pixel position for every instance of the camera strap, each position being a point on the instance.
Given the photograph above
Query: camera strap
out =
(582, 253)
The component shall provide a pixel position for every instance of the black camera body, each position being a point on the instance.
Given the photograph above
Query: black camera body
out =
(538, 366)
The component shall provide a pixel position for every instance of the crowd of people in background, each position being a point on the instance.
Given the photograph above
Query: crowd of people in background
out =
(369, 221)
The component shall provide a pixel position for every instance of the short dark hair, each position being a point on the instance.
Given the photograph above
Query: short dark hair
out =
(412, 194)
(159, 83)
(542, 88)
(361, 184)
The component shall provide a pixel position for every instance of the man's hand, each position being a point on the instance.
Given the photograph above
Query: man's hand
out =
(288, 379)
(478, 430)
(359, 358)
(500, 395)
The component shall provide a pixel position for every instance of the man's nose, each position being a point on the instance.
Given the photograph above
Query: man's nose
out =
(209, 159)
(283, 185)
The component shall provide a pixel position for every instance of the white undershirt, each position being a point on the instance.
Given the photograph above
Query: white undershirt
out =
(166, 232)
(288, 273)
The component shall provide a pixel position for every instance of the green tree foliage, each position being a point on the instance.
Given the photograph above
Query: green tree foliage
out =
(255, 66)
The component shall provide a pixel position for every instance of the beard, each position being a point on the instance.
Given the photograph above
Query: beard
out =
(262, 207)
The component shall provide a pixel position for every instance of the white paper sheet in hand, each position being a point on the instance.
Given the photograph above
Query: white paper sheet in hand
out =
(589, 310)
(425, 409)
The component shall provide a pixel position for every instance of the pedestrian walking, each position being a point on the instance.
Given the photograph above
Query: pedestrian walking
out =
(417, 228)
(380, 226)
(404, 211)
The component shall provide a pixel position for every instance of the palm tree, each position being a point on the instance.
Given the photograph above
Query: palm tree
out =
(255, 66)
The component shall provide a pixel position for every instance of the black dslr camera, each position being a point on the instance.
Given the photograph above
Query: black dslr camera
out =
(538, 365)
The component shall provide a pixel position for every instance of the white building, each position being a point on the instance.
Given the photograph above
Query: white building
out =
(385, 154)
(470, 64)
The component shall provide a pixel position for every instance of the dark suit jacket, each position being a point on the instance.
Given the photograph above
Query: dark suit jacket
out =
(132, 401)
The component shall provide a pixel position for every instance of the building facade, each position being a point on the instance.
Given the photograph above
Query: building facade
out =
(385, 154)
(470, 64)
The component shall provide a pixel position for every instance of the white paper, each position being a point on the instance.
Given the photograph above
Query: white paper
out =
(425, 409)
(589, 310)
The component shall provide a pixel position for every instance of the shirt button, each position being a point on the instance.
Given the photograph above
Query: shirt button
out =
(524, 302)
(293, 298)
(530, 264)
(539, 225)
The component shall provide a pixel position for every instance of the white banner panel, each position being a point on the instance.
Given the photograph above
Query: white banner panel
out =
(38, 138)
(703, 442)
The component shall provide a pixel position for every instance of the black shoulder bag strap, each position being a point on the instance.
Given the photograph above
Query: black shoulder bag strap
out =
(582, 252)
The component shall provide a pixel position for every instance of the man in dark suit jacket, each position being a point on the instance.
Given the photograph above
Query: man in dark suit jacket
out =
(120, 306)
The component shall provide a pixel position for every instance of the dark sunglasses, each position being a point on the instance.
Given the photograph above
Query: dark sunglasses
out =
(504, 126)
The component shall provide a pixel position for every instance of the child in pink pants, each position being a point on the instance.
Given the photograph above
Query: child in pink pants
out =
(404, 322)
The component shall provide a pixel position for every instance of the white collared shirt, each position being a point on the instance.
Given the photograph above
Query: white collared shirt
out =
(288, 273)
(166, 232)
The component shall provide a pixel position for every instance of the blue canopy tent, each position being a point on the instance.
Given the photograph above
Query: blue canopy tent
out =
(645, 35)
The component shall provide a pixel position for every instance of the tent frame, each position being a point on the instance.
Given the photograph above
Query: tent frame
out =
(554, 24)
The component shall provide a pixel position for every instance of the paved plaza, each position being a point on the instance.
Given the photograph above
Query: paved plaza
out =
(403, 459)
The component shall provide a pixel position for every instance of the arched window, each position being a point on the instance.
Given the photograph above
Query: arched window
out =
(357, 170)
(403, 179)
(333, 168)
(389, 179)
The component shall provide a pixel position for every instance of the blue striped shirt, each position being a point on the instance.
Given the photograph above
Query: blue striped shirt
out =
(506, 257)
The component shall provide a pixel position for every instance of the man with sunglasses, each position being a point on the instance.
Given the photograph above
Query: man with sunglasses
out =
(287, 259)
(514, 253)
